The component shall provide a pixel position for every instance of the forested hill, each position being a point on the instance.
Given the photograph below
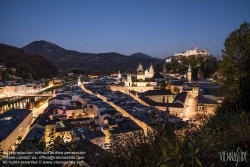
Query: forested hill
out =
(66, 59)
(27, 66)
(202, 67)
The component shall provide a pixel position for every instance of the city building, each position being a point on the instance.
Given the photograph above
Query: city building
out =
(169, 59)
(13, 124)
(61, 99)
(15, 89)
(176, 103)
(142, 80)
(160, 95)
(62, 129)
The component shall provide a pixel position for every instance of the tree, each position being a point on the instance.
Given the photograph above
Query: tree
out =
(55, 143)
(235, 67)
(19, 139)
(200, 73)
(4, 75)
(163, 84)
(79, 116)
(78, 104)
(1, 152)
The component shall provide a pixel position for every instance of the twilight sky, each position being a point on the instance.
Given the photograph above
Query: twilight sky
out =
(154, 27)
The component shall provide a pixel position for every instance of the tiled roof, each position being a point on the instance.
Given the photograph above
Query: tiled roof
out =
(181, 97)
(157, 92)
(43, 120)
(110, 112)
(153, 103)
(63, 125)
(157, 75)
(10, 120)
(125, 126)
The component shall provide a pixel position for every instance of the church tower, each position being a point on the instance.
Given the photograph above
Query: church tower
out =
(189, 74)
(119, 75)
(129, 80)
(79, 81)
(140, 68)
(151, 71)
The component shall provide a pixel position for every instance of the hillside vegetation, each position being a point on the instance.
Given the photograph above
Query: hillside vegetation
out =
(27, 66)
(202, 67)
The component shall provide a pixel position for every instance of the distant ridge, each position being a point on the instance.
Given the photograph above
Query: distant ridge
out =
(141, 55)
(67, 59)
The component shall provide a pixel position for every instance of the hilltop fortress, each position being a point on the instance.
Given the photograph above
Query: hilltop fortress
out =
(194, 51)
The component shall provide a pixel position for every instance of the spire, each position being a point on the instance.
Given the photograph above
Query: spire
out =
(79, 81)
(151, 66)
(189, 68)
(139, 67)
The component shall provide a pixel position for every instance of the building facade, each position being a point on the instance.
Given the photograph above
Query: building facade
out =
(169, 59)
(14, 89)
(13, 124)
(142, 80)
(194, 51)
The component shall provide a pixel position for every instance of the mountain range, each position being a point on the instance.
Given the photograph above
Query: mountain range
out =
(65, 59)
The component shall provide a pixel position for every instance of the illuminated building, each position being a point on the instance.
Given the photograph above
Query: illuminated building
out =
(13, 124)
(194, 51)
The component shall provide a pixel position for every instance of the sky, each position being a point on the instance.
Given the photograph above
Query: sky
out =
(158, 28)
